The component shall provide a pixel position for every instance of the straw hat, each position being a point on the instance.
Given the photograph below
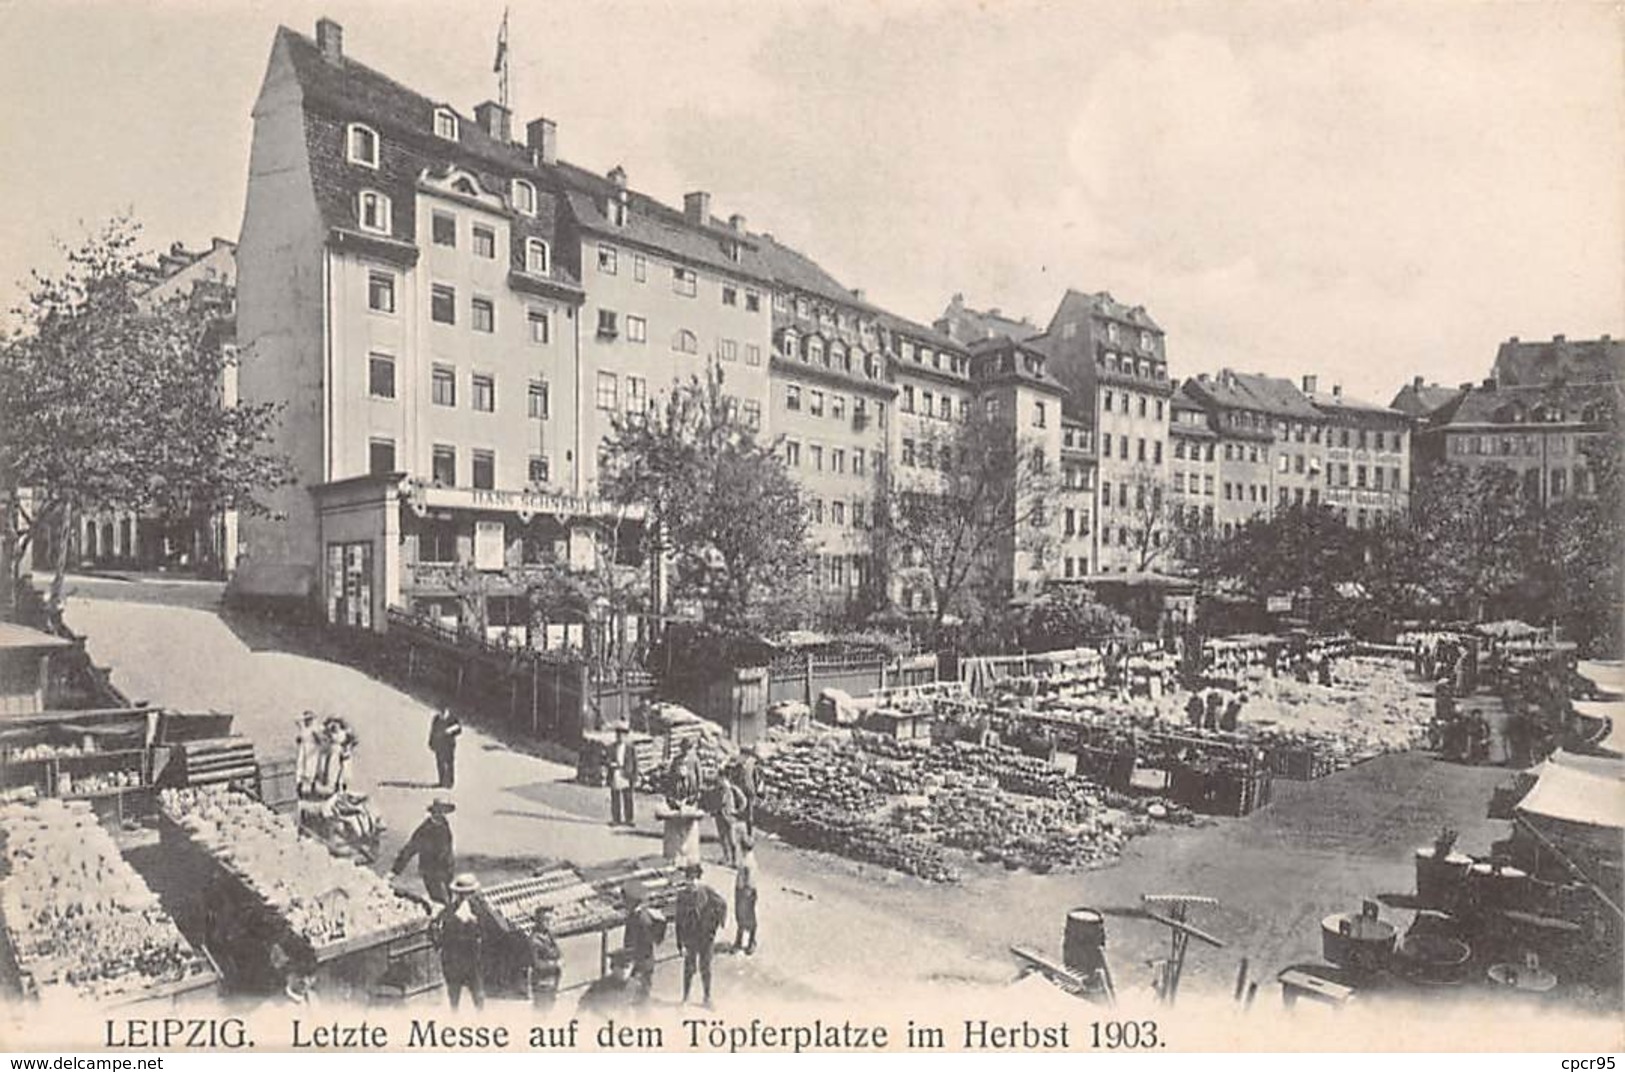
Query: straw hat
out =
(464, 883)
(441, 806)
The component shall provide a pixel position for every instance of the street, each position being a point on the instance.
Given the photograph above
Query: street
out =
(830, 927)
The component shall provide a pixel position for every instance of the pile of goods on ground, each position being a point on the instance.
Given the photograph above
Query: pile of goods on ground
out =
(874, 799)
(577, 906)
(322, 898)
(76, 914)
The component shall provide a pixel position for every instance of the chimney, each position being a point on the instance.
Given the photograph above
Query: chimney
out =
(1489, 383)
(697, 207)
(1416, 381)
(1559, 338)
(860, 294)
(736, 222)
(330, 39)
(1513, 340)
(495, 120)
(617, 175)
(1337, 390)
(542, 135)
(1309, 384)
(1468, 386)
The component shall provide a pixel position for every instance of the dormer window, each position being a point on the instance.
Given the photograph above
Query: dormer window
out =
(373, 212)
(617, 211)
(524, 197)
(787, 343)
(538, 258)
(445, 124)
(815, 351)
(362, 145)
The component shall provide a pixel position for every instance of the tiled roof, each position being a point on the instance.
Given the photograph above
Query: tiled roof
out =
(991, 350)
(1497, 405)
(792, 268)
(1106, 305)
(1341, 403)
(1424, 400)
(1523, 364)
(1253, 391)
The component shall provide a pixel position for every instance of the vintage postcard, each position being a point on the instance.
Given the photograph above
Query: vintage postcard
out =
(883, 526)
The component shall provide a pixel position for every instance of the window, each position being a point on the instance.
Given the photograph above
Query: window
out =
(964, 411)
(837, 460)
(817, 506)
(380, 456)
(753, 302)
(752, 411)
(640, 268)
(815, 351)
(1111, 332)
(485, 315)
(538, 257)
(684, 282)
(1359, 476)
(792, 453)
(485, 394)
(537, 400)
(1142, 405)
(637, 329)
(730, 295)
(927, 403)
(1378, 477)
(606, 324)
(444, 227)
(753, 354)
(1297, 463)
(637, 394)
(381, 376)
(837, 407)
(445, 124)
(837, 514)
(1105, 493)
(381, 292)
(485, 469)
(373, 212)
(443, 304)
(859, 512)
(991, 408)
(728, 350)
(362, 145)
(608, 391)
(1038, 413)
(608, 260)
(524, 197)
(1156, 453)
(1105, 401)
(857, 462)
(445, 466)
(792, 396)
(1139, 447)
(443, 386)
(685, 342)
(908, 452)
(817, 457)
(541, 325)
(538, 473)
(485, 243)
(815, 403)
(1159, 409)
(908, 399)
(1179, 482)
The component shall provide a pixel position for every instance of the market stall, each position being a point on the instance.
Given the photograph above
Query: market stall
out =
(78, 920)
(264, 896)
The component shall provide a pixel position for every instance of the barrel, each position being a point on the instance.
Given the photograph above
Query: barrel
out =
(1434, 959)
(1438, 882)
(1356, 941)
(1083, 947)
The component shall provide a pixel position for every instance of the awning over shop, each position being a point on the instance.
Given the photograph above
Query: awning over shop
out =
(1606, 675)
(1575, 794)
(1613, 712)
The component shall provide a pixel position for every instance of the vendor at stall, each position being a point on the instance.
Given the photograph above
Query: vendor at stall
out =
(459, 933)
(645, 930)
(431, 843)
(545, 968)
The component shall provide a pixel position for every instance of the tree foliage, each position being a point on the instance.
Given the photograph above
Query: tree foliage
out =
(1069, 617)
(977, 495)
(1149, 519)
(113, 401)
(721, 503)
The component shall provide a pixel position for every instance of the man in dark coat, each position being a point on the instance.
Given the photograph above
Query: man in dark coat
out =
(730, 806)
(460, 935)
(431, 844)
(645, 930)
(621, 775)
(615, 992)
(701, 912)
(443, 734)
(748, 776)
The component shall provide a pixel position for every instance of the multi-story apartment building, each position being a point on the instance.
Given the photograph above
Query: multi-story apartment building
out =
(1270, 448)
(1535, 415)
(1367, 456)
(1079, 468)
(830, 401)
(1112, 360)
(1193, 471)
(965, 325)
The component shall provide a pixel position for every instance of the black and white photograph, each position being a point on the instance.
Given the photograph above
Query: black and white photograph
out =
(812, 526)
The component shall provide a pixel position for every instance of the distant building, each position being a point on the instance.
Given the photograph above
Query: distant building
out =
(1194, 471)
(1270, 444)
(1368, 456)
(965, 325)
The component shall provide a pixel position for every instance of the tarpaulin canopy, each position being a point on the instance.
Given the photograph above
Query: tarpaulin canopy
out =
(1606, 675)
(1574, 795)
(1602, 766)
(1613, 712)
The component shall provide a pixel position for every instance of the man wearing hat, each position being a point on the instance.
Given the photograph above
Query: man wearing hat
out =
(431, 844)
(645, 930)
(545, 970)
(306, 746)
(701, 912)
(457, 930)
(615, 992)
(443, 733)
(621, 774)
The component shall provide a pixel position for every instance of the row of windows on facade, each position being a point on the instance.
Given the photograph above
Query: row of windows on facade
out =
(381, 286)
(1141, 494)
(1125, 365)
(683, 341)
(1526, 445)
(795, 394)
(1300, 432)
(1144, 450)
(483, 242)
(838, 512)
(609, 396)
(684, 281)
(1338, 474)
(1127, 398)
(841, 572)
(381, 458)
(838, 458)
(443, 387)
(364, 148)
(813, 350)
(1114, 334)
(838, 320)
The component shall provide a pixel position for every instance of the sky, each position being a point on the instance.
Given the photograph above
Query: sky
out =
(1364, 191)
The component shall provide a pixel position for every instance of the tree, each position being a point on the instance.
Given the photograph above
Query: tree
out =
(1581, 559)
(114, 402)
(1472, 528)
(1066, 618)
(719, 502)
(1299, 550)
(955, 514)
(1150, 521)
